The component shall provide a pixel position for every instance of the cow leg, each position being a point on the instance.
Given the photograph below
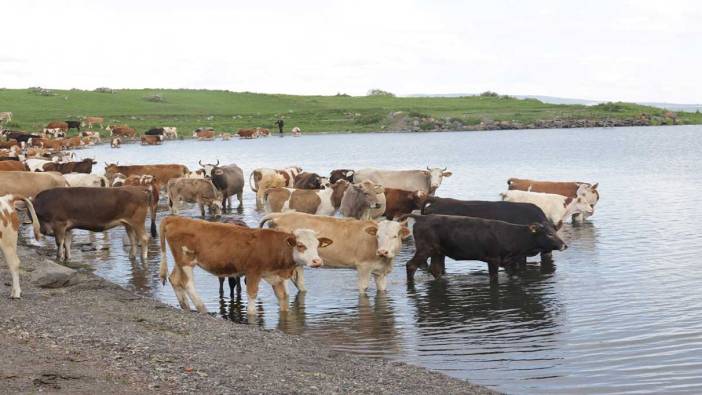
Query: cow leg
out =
(252, 290)
(282, 294)
(437, 266)
(364, 274)
(493, 268)
(13, 263)
(202, 209)
(190, 289)
(221, 286)
(234, 282)
(240, 197)
(60, 236)
(580, 217)
(381, 281)
(67, 244)
(298, 278)
(546, 258)
(414, 263)
(143, 242)
(177, 279)
(132, 240)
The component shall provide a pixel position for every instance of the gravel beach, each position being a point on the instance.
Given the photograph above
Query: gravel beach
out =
(74, 332)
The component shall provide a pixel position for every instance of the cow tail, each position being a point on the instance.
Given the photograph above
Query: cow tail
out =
(152, 209)
(251, 184)
(163, 268)
(33, 215)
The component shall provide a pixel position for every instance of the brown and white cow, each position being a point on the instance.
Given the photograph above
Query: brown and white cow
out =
(409, 180)
(203, 135)
(12, 165)
(161, 173)
(268, 181)
(263, 132)
(29, 184)
(399, 202)
(320, 202)
(247, 133)
(151, 140)
(572, 189)
(556, 207)
(367, 246)
(9, 229)
(255, 253)
(95, 209)
(288, 174)
(115, 142)
(85, 166)
(58, 125)
(194, 190)
(125, 132)
(364, 200)
(307, 180)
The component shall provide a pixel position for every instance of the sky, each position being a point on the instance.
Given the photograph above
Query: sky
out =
(602, 50)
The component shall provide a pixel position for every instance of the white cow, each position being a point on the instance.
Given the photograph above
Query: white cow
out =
(427, 181)
(36, 164)
(170, 132)
(86, 180)
(367, 246)
(9, 227)
(5, 116)
(556, 207)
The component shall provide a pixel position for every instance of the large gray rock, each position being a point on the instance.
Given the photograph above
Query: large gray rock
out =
(52, 275)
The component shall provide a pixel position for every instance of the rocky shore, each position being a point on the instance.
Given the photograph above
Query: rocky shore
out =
(73, 332)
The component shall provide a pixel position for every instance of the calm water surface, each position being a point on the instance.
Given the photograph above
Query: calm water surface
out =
(621, 312)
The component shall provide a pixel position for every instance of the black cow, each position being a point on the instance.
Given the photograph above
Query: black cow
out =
(84, 166)
(341, 174)
(467, 238)
(73, 125)
(227, 179)
(512, 212)
(155, 132)
(21, 137)
(307, 180)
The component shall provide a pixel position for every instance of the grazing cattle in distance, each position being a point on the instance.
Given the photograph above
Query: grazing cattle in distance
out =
(194, 190)
(95, 209)
(263, 132)
(255, 253)
(567, 189)
(29, 184)
(229, 180)
(399, 202)
(556, 207)
(58, 125)
(151, 140)
(73, 125)
(170, 132)
(203, 135)
(306, 180)
(5, 116)
(12, 165)
(367, 246)
(320, 202)
(116, 142)
(364, 200)
(53, 133)
(72, 142)
(86, 180)
(408, 180)
(512, 212)
(296, 132)
(9, 229)
(90, 121)
(247, 133)
(123, 132)
(467, 238)
(225, 136)
(109, 128)
(155, 132)
(20, 137)
(161, 173)
(85, 166)
(341, 174)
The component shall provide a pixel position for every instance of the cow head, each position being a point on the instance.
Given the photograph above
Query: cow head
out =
(546, 238)
(118, 180)
(389, 235)
(436, 175)
(338, 189)
(208, 167)
(305, 244)
(111, 167)
(341, 174)
(589, 193)
(577, 206)
(361, 197)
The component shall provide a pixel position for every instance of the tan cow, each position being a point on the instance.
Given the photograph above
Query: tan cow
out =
(161, 173)
(151, 140)
(125, 132)
(72, 142)
(9, 228)
(247, 133)
(29, 184)
(194, 190)
(12, 165)
(572, 189)
(367, 246)
(58, 125)
(268, 181)
(255, 253)
(90, 121)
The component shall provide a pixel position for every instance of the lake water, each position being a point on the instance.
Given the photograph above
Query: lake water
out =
(621, 312)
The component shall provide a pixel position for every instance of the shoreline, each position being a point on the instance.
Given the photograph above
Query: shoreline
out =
(75, 332)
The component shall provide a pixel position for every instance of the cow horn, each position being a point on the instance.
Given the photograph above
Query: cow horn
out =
(445, 168)
(217, 163)
(428, 168)
(200, 163)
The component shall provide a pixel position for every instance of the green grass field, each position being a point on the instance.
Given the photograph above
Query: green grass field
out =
(228, 111)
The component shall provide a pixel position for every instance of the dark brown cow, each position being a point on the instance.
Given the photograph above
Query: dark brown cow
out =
(161, 173)
(12, 165)
(151, 140)
(95, 209)
(247, 133)
(256, 253)
(84, 166)
(399, 202)
(204, 134)
(146, 182)
(123, 132)
(58, 125)
(341, 174)
(73, 125)
(306, 180)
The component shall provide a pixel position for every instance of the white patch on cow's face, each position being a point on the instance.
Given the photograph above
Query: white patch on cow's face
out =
(580, 205)
(389, 236)
(305, 250)
(587, 192)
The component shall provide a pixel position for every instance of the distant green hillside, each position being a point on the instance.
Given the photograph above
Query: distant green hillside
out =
(228, 111)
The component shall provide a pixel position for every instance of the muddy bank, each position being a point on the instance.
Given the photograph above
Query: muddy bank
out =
(75, 332)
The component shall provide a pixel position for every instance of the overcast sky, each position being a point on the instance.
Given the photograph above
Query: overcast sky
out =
(610, 50)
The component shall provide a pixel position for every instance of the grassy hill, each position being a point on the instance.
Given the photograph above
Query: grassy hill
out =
(228, 111)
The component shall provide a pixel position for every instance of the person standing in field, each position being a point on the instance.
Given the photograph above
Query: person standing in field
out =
(279, 123)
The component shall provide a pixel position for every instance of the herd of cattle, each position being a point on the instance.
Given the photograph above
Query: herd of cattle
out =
(353, 218)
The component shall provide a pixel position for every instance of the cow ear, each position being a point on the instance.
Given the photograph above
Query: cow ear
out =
(535, 228)
(323, 242)
(404, 232)
(595, 186)
(292, 241)
(371, 230)
(447, 174)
